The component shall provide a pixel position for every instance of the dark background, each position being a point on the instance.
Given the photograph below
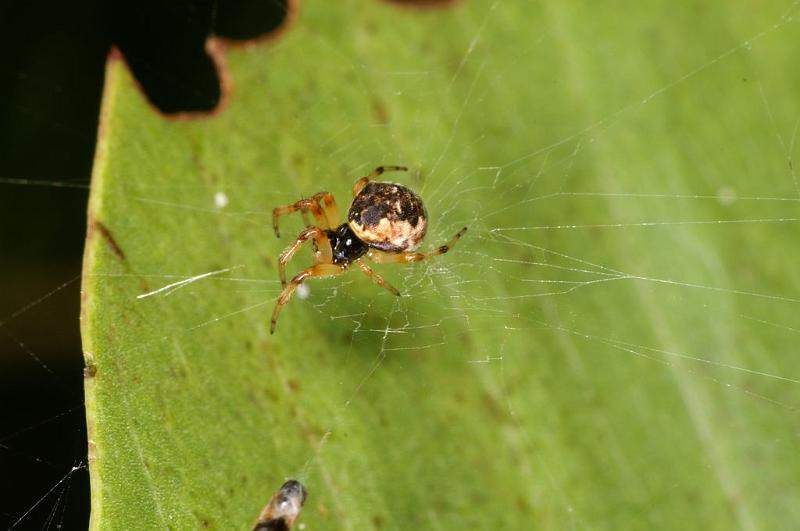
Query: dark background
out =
(51, 80)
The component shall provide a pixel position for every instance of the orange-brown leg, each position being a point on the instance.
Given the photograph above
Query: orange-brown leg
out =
(328, 204)
(304, 206)
(375, 173)
(324, 254)
(402, 258)
(376, 277)
(319, 270)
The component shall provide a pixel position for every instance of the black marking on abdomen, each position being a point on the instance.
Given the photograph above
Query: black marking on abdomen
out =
(381, 200)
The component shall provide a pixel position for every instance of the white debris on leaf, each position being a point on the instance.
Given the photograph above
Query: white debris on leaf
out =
(220, 200)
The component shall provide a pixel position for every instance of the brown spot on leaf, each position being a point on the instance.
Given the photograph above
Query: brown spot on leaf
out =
(492, 406)
(107, 236)
(379, 112)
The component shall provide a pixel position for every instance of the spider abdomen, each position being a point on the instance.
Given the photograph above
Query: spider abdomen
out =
(388, 216)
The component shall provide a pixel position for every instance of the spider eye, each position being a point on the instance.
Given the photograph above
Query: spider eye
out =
(348, 242)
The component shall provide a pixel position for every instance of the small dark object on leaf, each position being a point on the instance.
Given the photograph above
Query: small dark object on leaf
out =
(283, 508)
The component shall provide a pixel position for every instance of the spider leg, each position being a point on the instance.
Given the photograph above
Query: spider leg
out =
(376, 277)
(381, 257)
(319, 270)
(324, 254)
(375, 173)
(328, 204)
(304, 206)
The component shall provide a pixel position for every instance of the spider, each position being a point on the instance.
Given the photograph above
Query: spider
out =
(385, 223)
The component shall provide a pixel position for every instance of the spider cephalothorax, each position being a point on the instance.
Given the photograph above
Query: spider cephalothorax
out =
(345, 245)
(385, 223)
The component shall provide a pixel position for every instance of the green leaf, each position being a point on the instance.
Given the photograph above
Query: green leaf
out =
(612, 345)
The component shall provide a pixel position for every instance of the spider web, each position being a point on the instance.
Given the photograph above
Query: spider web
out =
(589, 261)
